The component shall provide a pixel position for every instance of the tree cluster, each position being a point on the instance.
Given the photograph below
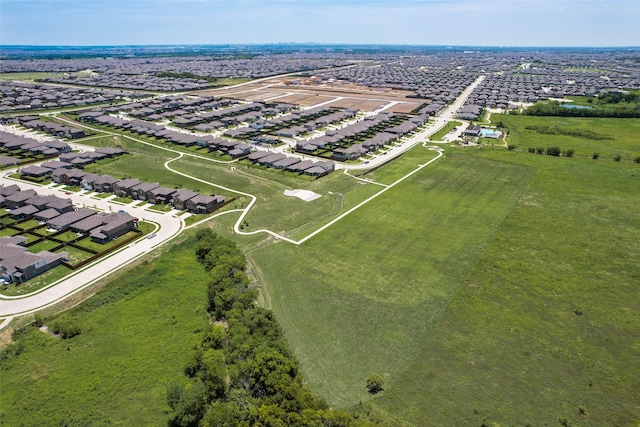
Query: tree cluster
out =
(553, 108)
(552, 151)
(242, 372)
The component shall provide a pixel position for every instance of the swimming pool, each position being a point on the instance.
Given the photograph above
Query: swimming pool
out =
(490, 133)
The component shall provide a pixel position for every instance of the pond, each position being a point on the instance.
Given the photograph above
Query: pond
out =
(577, 107)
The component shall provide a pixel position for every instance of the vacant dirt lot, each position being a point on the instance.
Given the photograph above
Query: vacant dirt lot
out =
(359, 97)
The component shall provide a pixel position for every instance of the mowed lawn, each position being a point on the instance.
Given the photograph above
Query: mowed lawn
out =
(136, 336)
(364, 295)
(544, 330)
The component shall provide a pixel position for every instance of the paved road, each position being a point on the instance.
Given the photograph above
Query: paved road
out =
(442, 119)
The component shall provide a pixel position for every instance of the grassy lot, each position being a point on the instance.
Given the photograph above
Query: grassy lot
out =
(103, 195)
(606, 136)
(445, 130)
(274, 210)
(89, 244)
(45, 245)
(351, 306)
(8, 232)
(544, 328)
(76, 255)
(28, 225)
(67, 236)
(136, 336)
(24, 76)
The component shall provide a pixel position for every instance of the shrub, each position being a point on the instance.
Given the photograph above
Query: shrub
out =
(569, 152)
(532, 150)
(617, 158)
(595, 156)
(511, 147)
(637, 159)
(374, 383)
(540, 150)
(553, 151)
(65, 329)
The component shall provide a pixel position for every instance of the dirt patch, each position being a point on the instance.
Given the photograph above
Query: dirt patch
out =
(45, 330)
(404, 107)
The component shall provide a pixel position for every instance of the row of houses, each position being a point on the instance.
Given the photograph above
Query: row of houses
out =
(60, 215)
(387, 127)
(292, 125)
(15, 96)
(68, 161)
(291, 164)
(25, 146)
(235, 149)
(53, 129)
(152, 192)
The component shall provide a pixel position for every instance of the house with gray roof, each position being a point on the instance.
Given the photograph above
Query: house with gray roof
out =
(180, 198)
(64, 221)
(160, 195)
(34, 171)
(17, 264)
(124, 187)
(113, 226)
(139, 192)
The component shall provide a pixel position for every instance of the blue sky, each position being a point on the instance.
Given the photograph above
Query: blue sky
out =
(431, 22)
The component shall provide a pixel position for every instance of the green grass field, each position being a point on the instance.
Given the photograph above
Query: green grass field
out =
(544, 328)
(363, 295)
(136, 336)
(24, 76)
(606, 136)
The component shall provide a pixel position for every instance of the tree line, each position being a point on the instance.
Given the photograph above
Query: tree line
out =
(242, 372)
(554, 108)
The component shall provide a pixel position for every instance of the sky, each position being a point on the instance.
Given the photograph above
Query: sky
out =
(596, 23)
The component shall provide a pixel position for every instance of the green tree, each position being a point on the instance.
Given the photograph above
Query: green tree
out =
(375, 383)
(188, 404)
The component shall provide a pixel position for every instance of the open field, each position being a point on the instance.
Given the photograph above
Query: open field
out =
(136, 335)
(274, 210)
(360, 104)
(24, 76)
(586, 136)
(361, 296)
(544, 328)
